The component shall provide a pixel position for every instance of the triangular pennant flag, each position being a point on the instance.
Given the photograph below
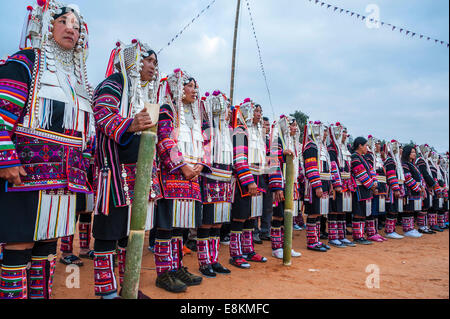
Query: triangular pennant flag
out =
(413, 34)
(322, 3)
(401, 30)
(352, 14)
(393, 28)
(428, 38)
(342, 10)
(421, 36)
(328, 6)
(435, 41)
(358, 15)
(442, 42)
(407, 32)
(346, 11)
(382, 23)
(363, 17)
(335, 8)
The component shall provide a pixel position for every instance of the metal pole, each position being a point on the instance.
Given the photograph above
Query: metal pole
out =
(233, 60)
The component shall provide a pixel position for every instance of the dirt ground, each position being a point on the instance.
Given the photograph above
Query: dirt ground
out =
(408, 269)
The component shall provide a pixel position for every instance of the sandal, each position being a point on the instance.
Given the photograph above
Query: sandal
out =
(71, 260)
(88, 255)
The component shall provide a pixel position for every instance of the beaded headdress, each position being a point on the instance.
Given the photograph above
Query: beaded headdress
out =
(127, 59)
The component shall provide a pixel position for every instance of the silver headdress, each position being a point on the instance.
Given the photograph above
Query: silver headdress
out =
(393, 148)
(247, 109)
(128, 59)
(59, 72)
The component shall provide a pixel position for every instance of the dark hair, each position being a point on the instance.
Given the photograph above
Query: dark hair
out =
(265, 118)
(189, 81)
(150, 52)
(65, 10)
(258, 105)
(357, 142)
(407, 152)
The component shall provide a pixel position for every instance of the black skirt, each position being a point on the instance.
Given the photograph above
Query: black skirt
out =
(18, 212)
(113, 226)
(337, 204)
(241, 208)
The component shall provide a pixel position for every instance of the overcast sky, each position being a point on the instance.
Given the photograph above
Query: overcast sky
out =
(328, 65)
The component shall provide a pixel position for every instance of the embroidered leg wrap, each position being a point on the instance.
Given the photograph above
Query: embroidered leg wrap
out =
(203, 254)
(84, 230)
(421, 219)
(312, 236)
(177, 249)
(67, 244)
(389, 226)
(432, 219)
(276, 236)
(121, 258)
(214, 242)
(13, 274)
(43, 263)
(104, 278)
(371, 228)
(441, 219)
(407, 222)
(235, 239)
(358, 228)
(341, 226)
(333, 227)
(247, 237)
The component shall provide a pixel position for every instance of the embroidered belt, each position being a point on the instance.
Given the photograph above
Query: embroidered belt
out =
(381, 179)
(325, 176)
(345, 175)
(220, 175)
(50, 136)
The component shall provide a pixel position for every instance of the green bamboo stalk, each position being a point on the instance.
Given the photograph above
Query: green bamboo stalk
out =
(136, 238)
(288, 210)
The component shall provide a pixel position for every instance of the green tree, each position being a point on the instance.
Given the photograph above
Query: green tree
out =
(301, 119)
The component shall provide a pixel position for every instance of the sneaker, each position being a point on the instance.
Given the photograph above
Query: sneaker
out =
(375, 238)
(413, 233)
(426, 230)
(239, 262)
(336, 243)
(316, 247)
(170, 283)
(362, 241)
(151, 249)
(295, 253)
(207, 271)
(225, 240)
(278, 253)
(394, 235)
(256, 239)
(347, 242)
(219, 269)
(296, 227)
(324, 245)
(185, 276)
(255, 257)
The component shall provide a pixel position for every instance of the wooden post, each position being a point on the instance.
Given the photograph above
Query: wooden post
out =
(146, 155)
(288, 210)
(233, 59)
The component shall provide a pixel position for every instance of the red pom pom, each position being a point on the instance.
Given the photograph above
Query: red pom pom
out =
(393, 141)
(117, 44)
(41, 3)
(247, 100)
(29, 8)
(338, 124)
(176, 70)
(134, 41)
(370, 136)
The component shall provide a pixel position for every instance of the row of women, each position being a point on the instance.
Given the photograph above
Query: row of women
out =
(68, 150)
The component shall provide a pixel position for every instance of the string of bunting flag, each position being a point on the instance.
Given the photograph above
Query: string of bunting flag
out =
(187, 26)
(384, 24)
(260, 56)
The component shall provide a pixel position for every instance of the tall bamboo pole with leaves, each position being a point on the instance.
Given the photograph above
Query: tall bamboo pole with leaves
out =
(288, 210)
(233, 58)
(146, 155)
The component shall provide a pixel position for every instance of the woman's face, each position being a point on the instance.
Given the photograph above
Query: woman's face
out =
(257, 113)
(344, 137)
(363, 149)
(149, 68)
(377, 147)
(66, 31)
(190, 94)
(293, 128)
(412, 156)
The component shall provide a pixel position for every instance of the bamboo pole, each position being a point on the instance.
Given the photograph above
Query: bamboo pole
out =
(288, 210)
(233, 59)
(136, 238)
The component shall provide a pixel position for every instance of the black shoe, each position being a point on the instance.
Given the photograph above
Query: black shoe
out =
(325, 246)
(264, 236)
(316, 248)
(225, 240)
(256, 239)
(426, 231)
(219, 269)
(362, 241)
(185, 276)
(170, 283)
(207, 271)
